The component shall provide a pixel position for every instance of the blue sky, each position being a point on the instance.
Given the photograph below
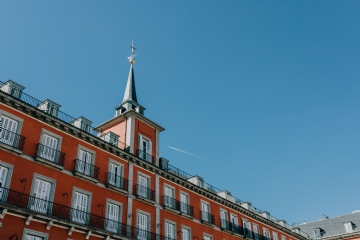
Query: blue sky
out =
(266, 91)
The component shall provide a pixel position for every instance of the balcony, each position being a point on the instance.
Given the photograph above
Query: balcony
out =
(186, 210)
(146, 157)
(11, 140)
(207, 218)
(14, 200)
(231, 227)
(145, 194)
(117, 183)
(86, 170)
(50, 156)
(171, 204)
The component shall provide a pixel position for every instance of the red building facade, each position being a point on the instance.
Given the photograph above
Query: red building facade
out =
(62, 179)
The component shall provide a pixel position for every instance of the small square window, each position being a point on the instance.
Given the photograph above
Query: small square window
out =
(349, 227)
(34, 235)
(318, 233)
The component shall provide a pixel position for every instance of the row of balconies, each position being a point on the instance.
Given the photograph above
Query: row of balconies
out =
(10, 198)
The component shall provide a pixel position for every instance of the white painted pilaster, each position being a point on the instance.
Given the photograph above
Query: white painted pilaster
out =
(130, 132)
(129, 211)
(157, 190)
(157, 221)
(130, 178)
(157, 147)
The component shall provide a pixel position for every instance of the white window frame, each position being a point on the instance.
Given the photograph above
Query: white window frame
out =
(207, 203)
(10, 168)
(42, 235)
(349, 224)
(47, 132)
(170, 222)
(188, 198)
(108, 200)
(16, 118)
(283, 237)
(258, 229)
(187, 228)
(266, 230)
(79, 190)
(148, 141)
(47, 179)
(275, 235)
(93, 153)
(148, 217)
(207, 235)
(319, 229)
(116, 163)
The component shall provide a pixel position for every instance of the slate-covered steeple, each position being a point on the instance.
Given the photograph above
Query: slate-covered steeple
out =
(130, 100)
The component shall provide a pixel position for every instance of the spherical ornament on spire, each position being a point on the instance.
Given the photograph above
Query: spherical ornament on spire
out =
(132, 61)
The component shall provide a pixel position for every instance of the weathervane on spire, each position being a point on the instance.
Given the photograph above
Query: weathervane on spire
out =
(132, 56)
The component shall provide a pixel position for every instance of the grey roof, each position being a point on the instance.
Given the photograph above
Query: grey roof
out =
(332, 226)
(130, 91)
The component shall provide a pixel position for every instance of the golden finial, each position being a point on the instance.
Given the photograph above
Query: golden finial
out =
(132, 56)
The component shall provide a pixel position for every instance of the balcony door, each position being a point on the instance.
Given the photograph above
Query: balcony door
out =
(143, 186)
(115, 175)
(84, 166)
(8, 130)
(145, 147)
(184, 199)
(142, 225)
(169, 231)
(39, 201)
(50, 146)
(80, 206)
(205, 212)
(113, 216)
(3, 177)
(169, 197)
(223, 216)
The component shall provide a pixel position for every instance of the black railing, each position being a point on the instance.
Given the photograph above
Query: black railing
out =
(231, 226)
(171, 203)
(55, 210)
(248, 233)
(12, 139)
(207, 217)
(144, 192)
(164, 165)
(13, 91)
(147, 157)
(117, 181)
(186, 209)
(50, 154)
(86, 169)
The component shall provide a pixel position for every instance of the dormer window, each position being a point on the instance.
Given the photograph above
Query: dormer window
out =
(318, 233)
(12, 88)
(111, 138)
(82, 123)
(49, 107)
(349, 227)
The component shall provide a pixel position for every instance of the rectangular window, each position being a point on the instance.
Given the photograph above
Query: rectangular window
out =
(8, 131)
(40, 197)
(142, 224)
(184, 203)
(143, 187)
(115, 175)
(207, 238)
(169, 197)
(49, 149)
(80, 208)
(247, 228)
(348, 227)
(169, 231)
(283, 238)
(3, 180)
(29, 234)
(113, 216)
(145, 148)
(256, 232)
(267, 234)
(275, 236)
(223, 216)
(185, 234)
(317, 233)
(85, 164)
(205, 211)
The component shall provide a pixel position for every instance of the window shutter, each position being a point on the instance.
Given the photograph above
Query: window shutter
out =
(149, 150)
(223, 215)
(140, 143)
(3, 174)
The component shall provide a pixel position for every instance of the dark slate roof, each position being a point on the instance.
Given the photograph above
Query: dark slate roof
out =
(130, 91)
(331, 226)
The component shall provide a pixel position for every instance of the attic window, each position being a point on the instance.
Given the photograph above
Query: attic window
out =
(318, 233)
(349, 227)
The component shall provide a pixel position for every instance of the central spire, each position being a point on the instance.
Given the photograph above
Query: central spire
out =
(130, 100)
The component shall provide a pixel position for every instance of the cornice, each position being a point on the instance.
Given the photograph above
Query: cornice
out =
(135, 114)
(76, 132)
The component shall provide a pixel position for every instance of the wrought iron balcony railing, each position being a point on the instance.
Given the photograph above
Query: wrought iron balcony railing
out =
(171, 203)
(50, 154)
(207, 217)
(144, 192)
(43, 207)
(117, 181)
(86, 169)
(147, 157)
(11, 139)
(231, 226)
(186, 209)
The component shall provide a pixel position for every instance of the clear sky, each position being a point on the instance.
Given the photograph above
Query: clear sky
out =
(265, 92)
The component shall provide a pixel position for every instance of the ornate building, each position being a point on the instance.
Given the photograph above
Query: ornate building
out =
(62, 179)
